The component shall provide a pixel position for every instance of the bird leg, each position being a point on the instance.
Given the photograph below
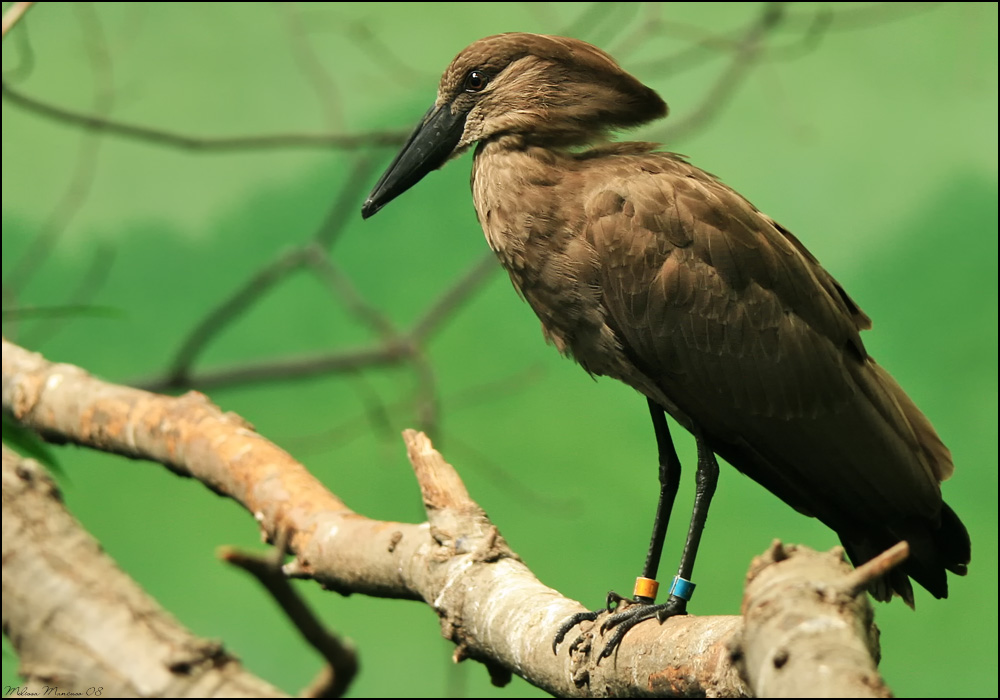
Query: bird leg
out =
(670, 479)
(640, 610)
(670, 476)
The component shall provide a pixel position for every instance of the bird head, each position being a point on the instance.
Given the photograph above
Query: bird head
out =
(545, 90)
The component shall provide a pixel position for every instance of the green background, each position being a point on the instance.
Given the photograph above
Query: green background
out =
(873, 140)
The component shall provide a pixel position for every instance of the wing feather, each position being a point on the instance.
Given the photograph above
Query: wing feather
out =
(757, 345)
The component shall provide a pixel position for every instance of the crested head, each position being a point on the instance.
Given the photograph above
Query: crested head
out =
(556, 90)
(545, 90)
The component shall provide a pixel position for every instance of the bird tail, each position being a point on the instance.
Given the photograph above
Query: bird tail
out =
(932, 553)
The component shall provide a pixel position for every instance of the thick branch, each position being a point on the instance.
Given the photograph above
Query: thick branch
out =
(62, 594)
(809, 629)
(490, 603)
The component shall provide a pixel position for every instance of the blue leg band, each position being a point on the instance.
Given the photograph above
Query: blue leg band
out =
(682, 588)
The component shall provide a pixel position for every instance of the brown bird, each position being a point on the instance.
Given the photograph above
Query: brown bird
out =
(646, 269)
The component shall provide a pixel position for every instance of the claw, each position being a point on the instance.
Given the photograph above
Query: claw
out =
(570, 624)
(614, 601)
(633, 614)
(623, 615)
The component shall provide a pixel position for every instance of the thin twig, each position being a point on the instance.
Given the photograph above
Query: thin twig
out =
(865, 16)
(385, 56)
(350, 360)
(393, 350)
(82, 179)
(343, 289)
(226, 313)
(649, 26)
(340, 654)
(725, 86)
(594, 16)
(346, 206)
(90, 284)
(455, 296)
(425, 395)
(25, 313)
(202, 144)
(703, 46)
(857, 581)
(476, 395)
(312, 69)
(275, 271)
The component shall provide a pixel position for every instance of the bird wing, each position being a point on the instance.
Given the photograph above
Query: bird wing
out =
(756, 345)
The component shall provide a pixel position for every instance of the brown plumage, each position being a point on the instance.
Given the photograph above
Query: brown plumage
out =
(646, 269)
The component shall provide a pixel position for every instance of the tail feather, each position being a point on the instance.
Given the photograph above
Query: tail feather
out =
(933, 552)
(953, 540)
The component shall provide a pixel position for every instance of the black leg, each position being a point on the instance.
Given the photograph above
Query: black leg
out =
(706, 480)
(670, 478)
(670, 475)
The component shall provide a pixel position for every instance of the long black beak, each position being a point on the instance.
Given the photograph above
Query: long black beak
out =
(427, 149)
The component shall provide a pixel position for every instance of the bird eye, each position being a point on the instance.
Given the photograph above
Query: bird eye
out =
(476, 81)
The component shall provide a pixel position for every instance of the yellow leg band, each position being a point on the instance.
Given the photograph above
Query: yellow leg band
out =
(645, 588)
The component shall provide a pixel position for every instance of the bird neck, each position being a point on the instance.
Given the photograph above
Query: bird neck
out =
(513, 185)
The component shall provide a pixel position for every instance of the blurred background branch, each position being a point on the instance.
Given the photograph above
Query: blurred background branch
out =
(169, 139)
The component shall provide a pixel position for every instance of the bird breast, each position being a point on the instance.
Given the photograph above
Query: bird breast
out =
(528, 200)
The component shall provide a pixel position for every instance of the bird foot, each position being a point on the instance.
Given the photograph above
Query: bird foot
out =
(623, 615)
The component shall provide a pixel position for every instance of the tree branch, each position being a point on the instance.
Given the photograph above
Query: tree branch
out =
(13, 15)
(490, 604)
(341, 659)
(202, 144)
(78, 622)
(809, 629)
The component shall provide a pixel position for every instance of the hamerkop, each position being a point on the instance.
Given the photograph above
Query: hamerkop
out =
(646, 269)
